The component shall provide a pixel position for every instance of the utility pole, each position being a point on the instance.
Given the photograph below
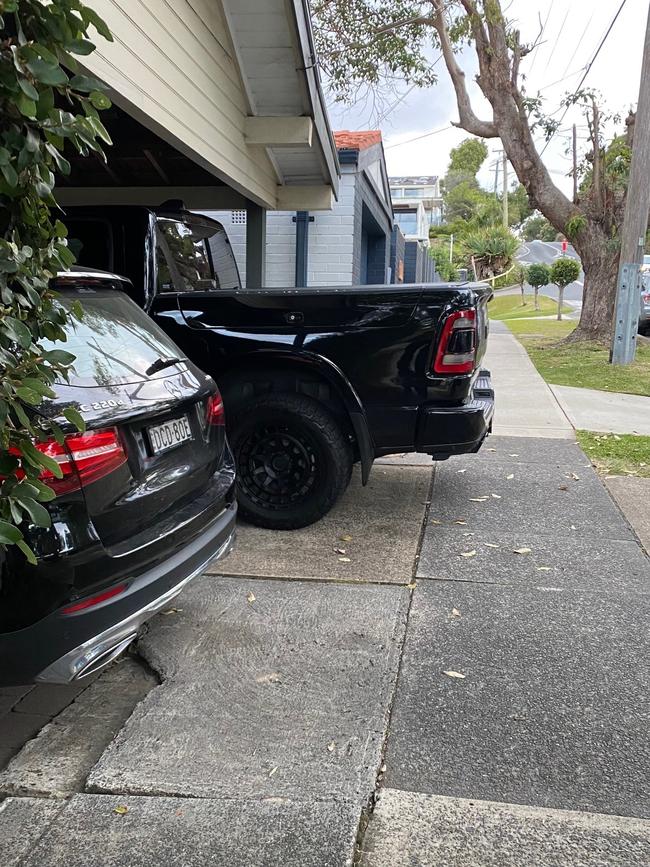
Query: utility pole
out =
(496, 175)
(505, 189)
(575, 164)
(635, 225)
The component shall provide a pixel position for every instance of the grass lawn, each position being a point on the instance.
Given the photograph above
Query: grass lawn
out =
(617, 454)
(581, 365)
(510, 307)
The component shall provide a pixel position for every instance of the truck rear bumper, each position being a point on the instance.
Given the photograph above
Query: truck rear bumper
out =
(457, 430)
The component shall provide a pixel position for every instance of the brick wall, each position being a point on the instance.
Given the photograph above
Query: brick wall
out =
(331, 240)
(280, 244)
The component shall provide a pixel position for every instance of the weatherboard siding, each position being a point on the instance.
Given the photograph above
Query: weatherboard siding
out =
(172, 65)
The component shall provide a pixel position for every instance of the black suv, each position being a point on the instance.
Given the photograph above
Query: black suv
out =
(146, 500)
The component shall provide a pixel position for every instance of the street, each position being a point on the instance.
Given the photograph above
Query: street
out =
(547, 252)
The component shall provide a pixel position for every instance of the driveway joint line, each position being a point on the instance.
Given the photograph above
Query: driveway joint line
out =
(368, 809)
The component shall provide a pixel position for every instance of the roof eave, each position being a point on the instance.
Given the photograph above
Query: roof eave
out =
(302, 19)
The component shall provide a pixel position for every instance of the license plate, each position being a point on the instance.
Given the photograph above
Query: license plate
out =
(169, 434)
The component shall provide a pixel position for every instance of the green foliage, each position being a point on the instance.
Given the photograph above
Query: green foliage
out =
(538, 274)
(444, 267)
(356, 48)
(538, 228)
(519, 208)
(575, 224)
(564, 271)
(492, 249)
(515, 275)
(38, 73)
(468, 157)
(464, 164)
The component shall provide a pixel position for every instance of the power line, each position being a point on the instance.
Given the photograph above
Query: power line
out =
(557, 41)
(588, 68)
(548, 15)
(575, 50)
(564, 78)
(418, 137)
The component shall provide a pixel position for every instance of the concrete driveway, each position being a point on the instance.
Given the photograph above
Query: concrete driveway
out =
(451, 669)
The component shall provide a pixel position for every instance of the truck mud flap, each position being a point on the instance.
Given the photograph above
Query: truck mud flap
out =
(365, 444)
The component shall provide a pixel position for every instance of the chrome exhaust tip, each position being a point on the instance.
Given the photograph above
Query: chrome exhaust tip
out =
(104, 658)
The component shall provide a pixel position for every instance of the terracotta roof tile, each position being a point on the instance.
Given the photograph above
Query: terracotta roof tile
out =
(358, 141)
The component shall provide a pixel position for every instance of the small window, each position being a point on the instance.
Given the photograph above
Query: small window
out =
(239, 217)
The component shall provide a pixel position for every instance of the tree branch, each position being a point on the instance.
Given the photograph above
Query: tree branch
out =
(405, 22)
(468, 120)
(499, 84)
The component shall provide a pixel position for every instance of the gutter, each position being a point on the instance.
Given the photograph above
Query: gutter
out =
(302, 18)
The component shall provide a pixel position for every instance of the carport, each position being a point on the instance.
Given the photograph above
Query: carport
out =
(216, 103)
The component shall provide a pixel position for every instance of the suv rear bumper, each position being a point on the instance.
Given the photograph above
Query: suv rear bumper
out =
(76, 645)
(457, 430)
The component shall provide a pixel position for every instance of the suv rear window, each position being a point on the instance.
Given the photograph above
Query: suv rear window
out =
(114, 343)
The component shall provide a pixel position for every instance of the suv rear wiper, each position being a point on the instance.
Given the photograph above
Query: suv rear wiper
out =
(162, 363)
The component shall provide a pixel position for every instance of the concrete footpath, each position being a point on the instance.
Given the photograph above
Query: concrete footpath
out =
(525, 404)
(451, 669)
(608, 412)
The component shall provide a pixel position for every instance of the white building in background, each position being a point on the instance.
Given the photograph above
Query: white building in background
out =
(425, 189)
(412, 220)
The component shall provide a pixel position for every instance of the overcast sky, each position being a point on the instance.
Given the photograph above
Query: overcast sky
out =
(574, 29)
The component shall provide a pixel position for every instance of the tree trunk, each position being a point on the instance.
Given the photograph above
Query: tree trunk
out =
(523, 297)
(560, 302)
(536, 288)
(600, 266)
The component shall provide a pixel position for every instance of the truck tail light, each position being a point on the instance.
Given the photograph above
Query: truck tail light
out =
(214, 413)
(646, 298)
(83, 458)
(456, 351)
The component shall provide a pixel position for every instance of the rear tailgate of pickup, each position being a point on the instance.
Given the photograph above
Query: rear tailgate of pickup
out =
(483, 293)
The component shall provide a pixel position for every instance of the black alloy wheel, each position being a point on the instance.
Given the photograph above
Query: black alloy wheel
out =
(293, 460)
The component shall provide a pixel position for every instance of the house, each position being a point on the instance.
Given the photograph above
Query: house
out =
(217, 103)
(349, 245)
(417, 205)
(425, 189)
(412, 220)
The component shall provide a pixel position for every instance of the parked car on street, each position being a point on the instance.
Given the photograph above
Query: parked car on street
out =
(644, 313)
(146, 500)
(313, 379)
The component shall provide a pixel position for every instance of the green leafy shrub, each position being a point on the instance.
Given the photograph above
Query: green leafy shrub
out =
(514, 276)
(538, 274)
(492, 249)
(563, 272)
(38, 74)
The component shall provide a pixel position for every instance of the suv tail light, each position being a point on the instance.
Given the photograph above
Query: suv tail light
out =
(456, 351)
(214, 412)
(92, 601)
(83, 458)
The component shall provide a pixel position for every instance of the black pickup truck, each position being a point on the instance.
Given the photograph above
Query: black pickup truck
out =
(314, 379)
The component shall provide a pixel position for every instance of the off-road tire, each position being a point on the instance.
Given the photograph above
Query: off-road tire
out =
(293, 459)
